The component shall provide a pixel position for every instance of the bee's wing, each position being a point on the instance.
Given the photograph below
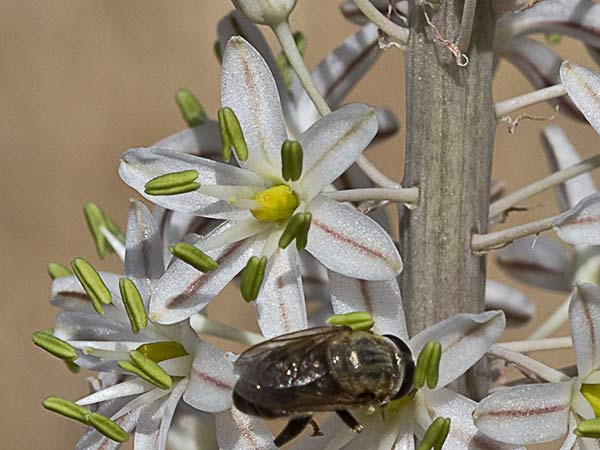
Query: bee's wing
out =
(284, 343)
(292, 373)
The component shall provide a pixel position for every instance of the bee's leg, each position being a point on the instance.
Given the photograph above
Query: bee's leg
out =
(316, 430)
(349, 420)
(293, 428)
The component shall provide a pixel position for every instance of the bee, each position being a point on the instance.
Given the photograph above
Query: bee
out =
(321, 369)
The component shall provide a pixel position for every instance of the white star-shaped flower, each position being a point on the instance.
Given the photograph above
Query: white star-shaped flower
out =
(257, 203)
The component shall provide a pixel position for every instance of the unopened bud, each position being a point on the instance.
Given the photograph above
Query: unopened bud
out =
(266, 12)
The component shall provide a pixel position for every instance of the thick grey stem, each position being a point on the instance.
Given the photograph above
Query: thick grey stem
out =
(450, 135)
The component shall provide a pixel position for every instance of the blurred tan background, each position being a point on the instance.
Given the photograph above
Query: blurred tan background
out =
(80, 81)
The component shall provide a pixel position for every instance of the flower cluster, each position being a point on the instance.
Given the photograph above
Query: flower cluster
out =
(289, 216)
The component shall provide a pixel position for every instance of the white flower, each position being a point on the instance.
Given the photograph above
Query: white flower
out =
(257, 203)
(465, 339)
(544, 412)
(266, 12)
(200, 374)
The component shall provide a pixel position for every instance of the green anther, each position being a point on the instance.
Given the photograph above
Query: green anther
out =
(56, 270)
(194, 257)
(231, 135)
(161, 351)
(591, 392)
(54, 346)
(252, 277)
(291, 160)
(553, 38)
(292, 229)
(588, 429)
(92, 284)
(359, 320)
(433, 372)
(192, 111)
(436, 435)
(284, 64)
(154, 373)
(107, 427)
(173, 183)
(302, 237)
(428, 366)
(134, 305)
(95, 220)
(67, 409)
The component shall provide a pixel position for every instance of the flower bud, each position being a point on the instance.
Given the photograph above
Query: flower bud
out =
(265, 12)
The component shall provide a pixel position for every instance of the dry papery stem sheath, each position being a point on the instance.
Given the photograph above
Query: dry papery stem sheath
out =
(449, 146)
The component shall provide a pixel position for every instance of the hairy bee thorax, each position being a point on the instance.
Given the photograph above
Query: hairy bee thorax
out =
(365, 364)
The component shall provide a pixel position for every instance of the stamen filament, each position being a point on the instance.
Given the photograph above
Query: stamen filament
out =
(203, 325)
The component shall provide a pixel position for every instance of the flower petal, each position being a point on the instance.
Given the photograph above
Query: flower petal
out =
(463, 432)
(68, 294)
(584, 315)
(348, 242)
(527, 414)
(183, 290)
(203, 140)
(143, 256)
(579, 225)
(174, 226)
(465, 339)
(314, 278)
(379, 298)
(237, 431)
(338, 73)
(583, 86)
(333, 143)
(540, 65)
(126, 388)
(537, 260)
(575, 18)
(140, 165)
(211, 380)
(248, 88)
(235, 24)
(517, 307)
(280, 306)
(192, 430)
(93, 440)
(154, 422)
(561, 154)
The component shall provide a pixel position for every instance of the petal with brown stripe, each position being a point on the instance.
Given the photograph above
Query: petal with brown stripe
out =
(583, 87)
(537, 260)
(348, 242)
(379, 298)
(584, 316)
(280, 306)
(248, 88)
(463, 432)
(580, 225)
(528, 414)
(465, 339)
(211, 380)
(333, 143)
(143, 255)
(238, 431)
